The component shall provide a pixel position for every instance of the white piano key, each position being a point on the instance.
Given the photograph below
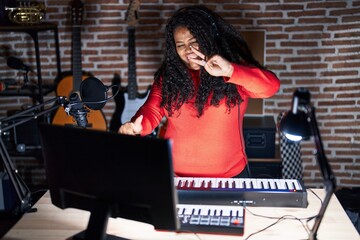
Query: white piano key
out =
(297, 185)
(282, 184)
(189, 210)
(248, 183)
(212, 211)
(204, 211)
(214, 183)
(272, 183)
(290, 185)
(180, 210)
(237, 183)
(257, 184)
(226, 212)
(197, 182)
(265, 184)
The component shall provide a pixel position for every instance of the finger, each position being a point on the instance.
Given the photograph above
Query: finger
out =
(198, 53)
(198, 61)
(137, 124)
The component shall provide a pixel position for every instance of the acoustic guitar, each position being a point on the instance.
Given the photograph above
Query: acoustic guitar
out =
(133, 99)
(70, 84)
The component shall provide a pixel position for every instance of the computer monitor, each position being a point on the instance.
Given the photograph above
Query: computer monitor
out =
(110, 175)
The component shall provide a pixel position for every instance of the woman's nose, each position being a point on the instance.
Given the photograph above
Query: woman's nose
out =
(188, 48)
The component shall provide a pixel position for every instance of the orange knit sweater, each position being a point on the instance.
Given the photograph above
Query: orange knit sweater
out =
(212, 145)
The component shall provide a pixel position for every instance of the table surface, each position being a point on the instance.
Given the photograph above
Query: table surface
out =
(50, 222)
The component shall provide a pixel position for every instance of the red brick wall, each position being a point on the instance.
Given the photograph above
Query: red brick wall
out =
(312, 44)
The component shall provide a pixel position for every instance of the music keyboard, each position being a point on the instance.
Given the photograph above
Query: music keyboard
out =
(211, 219)
(242, 191)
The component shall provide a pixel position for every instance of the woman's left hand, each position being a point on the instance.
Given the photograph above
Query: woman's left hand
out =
(215, 65)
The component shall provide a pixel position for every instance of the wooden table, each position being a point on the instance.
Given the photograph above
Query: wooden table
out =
(50, 222)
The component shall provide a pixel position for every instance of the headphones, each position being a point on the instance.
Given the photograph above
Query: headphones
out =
(204, 14)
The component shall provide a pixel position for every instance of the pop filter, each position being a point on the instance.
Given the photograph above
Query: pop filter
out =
(93, 90)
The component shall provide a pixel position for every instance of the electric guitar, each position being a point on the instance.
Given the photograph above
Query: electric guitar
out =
(69, 84)
(133, 99)
(119, 100)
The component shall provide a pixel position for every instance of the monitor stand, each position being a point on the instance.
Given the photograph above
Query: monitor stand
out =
(96, 229)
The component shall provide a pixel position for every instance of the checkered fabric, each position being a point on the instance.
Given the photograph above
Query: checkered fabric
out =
(290, 156)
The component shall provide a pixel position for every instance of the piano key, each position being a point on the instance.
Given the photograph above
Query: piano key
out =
(289, 185)
(226, 212)
(297, 185)
(204, 211)
(188, 211)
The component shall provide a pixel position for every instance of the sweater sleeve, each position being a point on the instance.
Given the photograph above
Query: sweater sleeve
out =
(151, 111)
(254, 82)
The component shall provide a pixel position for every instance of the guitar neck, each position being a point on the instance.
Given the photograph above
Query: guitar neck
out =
(76, 57)
(132, 84)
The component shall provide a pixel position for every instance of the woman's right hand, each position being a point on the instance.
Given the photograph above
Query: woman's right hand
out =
(132, 128)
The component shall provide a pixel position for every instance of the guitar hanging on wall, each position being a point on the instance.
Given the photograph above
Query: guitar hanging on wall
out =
(133, 99)
(69, 84)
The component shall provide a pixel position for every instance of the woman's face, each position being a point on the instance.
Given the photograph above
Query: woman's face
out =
(183, 40)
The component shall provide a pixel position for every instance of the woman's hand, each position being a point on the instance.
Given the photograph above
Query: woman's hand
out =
(216, 65)
(132, 128)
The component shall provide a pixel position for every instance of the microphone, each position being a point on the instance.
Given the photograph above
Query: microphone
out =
(77, 110)
(93, 95)
(16, 63)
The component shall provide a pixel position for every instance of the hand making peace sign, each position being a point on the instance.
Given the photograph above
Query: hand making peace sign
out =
(215, 65)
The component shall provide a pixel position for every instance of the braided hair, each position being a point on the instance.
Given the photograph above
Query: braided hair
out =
(214, 36)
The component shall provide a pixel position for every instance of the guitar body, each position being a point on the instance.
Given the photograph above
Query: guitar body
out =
(95, 118)
(132, 105)
(71, 82)
(66, 85)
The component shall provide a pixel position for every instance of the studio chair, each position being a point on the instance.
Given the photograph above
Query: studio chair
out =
(290, 153)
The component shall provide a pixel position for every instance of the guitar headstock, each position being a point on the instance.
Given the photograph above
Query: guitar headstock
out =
(132, 15)
(77, 11)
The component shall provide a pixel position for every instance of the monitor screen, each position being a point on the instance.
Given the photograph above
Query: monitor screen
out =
(110, 175)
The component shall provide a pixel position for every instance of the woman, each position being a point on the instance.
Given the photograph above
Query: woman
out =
(202, 87)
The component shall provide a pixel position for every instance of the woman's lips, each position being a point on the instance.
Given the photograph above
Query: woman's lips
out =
(192, 56)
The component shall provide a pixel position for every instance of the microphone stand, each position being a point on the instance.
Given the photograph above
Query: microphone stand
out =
(21, 190)
(327, 173)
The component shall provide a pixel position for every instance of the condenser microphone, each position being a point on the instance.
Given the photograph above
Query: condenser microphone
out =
(77, 110)
(93, 95)
(16, 63)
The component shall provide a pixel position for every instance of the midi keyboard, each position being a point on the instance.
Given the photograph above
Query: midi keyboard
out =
(211, 219)
(242, 191)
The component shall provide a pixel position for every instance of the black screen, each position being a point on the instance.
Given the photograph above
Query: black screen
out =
(110, 174)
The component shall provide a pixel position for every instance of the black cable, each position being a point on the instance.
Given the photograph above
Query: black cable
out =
(285, 217)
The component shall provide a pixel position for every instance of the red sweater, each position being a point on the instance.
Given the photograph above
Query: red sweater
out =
(212, 145)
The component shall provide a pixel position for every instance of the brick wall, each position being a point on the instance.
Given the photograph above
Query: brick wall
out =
(312, 44)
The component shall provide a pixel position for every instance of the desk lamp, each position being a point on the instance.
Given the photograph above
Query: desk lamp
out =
(300, 123)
